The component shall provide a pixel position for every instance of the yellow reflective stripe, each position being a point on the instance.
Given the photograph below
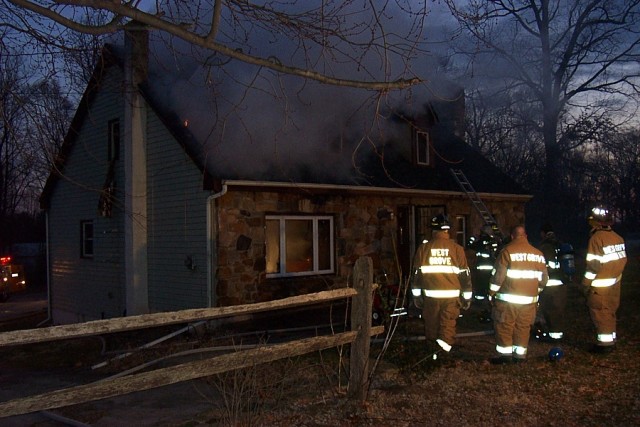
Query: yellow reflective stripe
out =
(426, 269)
(442, 293)
(494, 287)
(607, 258)
(593, 257)
(554, 265)
(606, 337)
(604, 283)
(613, 257)
(416, 292)
(589, 275)
(554, 282)
(484, 267)
(467, 295)
(524, 274)
(517, 299)
(504, 350)
(520, 351)
(446, 347)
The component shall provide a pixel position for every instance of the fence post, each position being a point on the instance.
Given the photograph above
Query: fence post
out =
(361, 322)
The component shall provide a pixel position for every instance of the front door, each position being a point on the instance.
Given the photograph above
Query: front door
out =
(413, 228)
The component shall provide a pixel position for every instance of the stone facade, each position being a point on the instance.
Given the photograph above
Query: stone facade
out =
(364, 225)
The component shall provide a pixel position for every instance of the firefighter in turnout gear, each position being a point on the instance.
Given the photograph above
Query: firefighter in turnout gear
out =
(554, 297)
(443, 282)
(485, 247)
(520, 274)
(605, 261)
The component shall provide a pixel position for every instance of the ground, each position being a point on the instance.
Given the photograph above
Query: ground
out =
(581, 389)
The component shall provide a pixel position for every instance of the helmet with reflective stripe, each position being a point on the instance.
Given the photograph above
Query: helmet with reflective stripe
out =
(440, 222)
(600, 216)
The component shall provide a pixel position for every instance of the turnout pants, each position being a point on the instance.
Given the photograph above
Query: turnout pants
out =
(553, 300)
(603, 304)
(512, 325)
(440, 316)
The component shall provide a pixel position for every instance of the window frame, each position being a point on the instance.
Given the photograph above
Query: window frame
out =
(87, 240)
(282, 220)
(461, 230)
(422, 144)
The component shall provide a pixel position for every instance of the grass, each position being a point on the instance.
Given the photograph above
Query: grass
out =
(579, 390)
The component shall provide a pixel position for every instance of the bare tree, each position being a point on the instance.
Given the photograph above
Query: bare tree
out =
(501, 130)
(615, 166)
(576, 60)
(48, 114)
(34, 117)
(12, 168)
(379, 38)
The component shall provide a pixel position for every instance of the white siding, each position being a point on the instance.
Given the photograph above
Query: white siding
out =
(88, 289)
(177, 224)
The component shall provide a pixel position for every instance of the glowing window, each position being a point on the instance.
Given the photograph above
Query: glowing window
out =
(299, 245)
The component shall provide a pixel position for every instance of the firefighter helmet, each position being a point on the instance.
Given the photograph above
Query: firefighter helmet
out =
(440, 222)
(555, 354)
(488, 230)
(600, 216)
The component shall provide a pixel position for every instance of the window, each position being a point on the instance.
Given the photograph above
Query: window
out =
(114, 139)
(298, 245)
(422, 149)
(86, 239)
(461, 230)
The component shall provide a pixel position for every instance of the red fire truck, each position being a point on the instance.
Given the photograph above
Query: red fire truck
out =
(11, 278)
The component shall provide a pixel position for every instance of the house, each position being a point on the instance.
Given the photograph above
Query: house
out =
(142, 218)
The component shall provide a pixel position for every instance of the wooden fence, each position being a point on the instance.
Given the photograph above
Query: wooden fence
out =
(359, 338)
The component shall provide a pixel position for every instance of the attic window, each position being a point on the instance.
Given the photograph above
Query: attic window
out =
(298, 245)
(422, 148)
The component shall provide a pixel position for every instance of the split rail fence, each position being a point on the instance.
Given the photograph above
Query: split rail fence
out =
(359, 337)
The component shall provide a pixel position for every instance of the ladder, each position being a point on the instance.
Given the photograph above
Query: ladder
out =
(477, 203)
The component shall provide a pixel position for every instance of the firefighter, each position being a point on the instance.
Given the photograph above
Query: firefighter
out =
(443, 283)
(605, 261)
(519, 276)
(485, 247)
(554, 297)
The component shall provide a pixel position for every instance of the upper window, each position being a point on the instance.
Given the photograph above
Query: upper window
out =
(422, 148)
(298, 245)
(114, 139)
(86, 239)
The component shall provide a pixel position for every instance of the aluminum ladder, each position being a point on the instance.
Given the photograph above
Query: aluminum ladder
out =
(477, 203)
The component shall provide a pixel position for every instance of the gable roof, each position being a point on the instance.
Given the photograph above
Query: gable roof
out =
(106, 60)
(383, 165)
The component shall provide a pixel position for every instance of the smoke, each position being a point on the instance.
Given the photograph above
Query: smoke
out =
(253, 122)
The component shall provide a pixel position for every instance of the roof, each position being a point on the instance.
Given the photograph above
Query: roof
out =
(338, 158)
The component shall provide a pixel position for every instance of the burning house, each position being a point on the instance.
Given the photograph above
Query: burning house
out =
(159, 202)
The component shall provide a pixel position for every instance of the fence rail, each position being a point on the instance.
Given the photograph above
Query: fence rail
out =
(359, 337)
